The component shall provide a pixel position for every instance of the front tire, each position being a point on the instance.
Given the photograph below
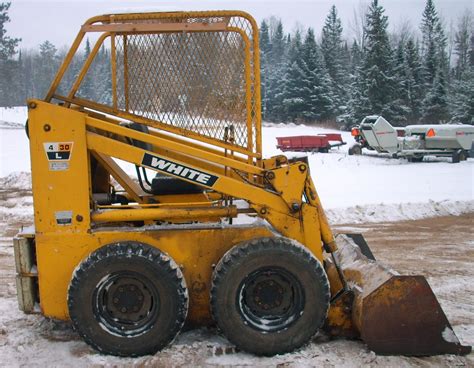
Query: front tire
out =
(269, 296)
(128, 299)
(356, 150)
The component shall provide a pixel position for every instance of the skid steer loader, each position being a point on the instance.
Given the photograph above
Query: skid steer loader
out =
(130, 261)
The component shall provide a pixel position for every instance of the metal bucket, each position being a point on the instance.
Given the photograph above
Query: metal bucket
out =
(393, 314)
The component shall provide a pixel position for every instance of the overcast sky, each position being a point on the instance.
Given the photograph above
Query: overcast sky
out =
(58, 21)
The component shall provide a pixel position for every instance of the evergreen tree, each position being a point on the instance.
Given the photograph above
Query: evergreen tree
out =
(376, 69)
(462, 88)
(317, 86)
(276, 74)
(435, 104)
(462, 103)
(413, 81)
(8, 66)
(46, 69)
(436, 64)
(332, 47)
(265, 48)
(292, 94)
(87, 86)
(102, 85)
(401, 93)
(471, 50)
(429, 24)
(433, 44)
(356, 57)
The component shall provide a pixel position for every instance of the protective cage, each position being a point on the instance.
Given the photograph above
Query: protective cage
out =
(194, 74)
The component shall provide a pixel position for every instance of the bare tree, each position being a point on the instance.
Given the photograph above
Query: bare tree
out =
(357, 24)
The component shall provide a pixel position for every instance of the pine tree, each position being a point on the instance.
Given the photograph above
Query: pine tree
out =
(401, 94)
(356, 57)
(317, 86)
(8, 66)
(332, 47)
(462, 99)
(377, 64)
(462, 88)
(413, 81)
(87, 86)
(436, 64)
(265, 48)
(276, 74)
(46, 69)
(433, 44)
(102, 83)
(435, 104)
(292, 94)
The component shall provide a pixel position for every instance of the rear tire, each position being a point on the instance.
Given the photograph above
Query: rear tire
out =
(269, 295)
(128, 299)
(415, 158)
(456, 157)
(356, 149)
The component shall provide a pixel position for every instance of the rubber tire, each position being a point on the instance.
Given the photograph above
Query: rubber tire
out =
(456, 157)
(159, 268)
(415, 159)
(356, 149)
(249, 256)
(463, 155)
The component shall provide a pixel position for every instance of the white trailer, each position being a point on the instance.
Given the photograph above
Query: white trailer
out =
(451, 140)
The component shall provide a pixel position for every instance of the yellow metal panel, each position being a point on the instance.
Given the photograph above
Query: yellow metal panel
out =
(60, 186)
(195, 250)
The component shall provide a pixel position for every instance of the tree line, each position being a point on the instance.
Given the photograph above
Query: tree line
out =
(405, 78)
(399, 76)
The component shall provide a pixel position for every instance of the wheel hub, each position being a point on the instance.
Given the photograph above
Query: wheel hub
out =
(269, 294)
(270, 299)
(128, 299)
(126, 303)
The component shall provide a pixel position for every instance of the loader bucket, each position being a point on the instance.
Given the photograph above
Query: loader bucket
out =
(391, 313)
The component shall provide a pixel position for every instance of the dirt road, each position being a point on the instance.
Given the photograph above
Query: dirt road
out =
(440, 248)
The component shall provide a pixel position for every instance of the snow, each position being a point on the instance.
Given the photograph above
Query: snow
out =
(449, 336)
(13, 118)
(370, 187)
(353, 190)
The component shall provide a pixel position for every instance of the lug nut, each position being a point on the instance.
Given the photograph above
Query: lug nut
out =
(123, 310)
(115, 300)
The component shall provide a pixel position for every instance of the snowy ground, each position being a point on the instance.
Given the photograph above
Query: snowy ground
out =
(358, 193)
(352, 188)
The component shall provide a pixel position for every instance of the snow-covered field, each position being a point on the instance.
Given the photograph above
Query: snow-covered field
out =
(354, 190)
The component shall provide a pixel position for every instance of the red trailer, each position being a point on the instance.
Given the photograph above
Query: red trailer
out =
(310, 143)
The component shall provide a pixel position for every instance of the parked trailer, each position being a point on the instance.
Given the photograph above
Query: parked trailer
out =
(310, 143)
(376, 133)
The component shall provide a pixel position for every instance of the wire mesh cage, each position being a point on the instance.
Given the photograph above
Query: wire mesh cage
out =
(195, 74)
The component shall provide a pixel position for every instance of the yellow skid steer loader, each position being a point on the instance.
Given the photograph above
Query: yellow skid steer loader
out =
(130, 261)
